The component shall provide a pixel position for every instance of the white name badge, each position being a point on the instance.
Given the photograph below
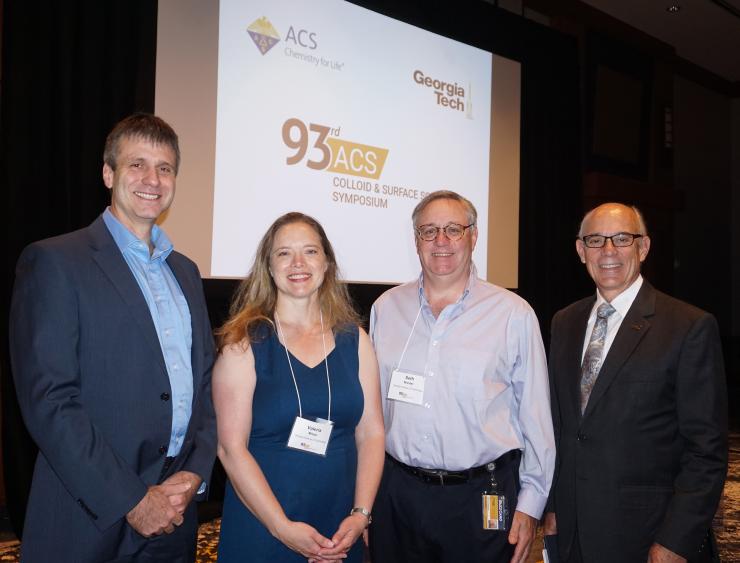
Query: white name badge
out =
(407, 387)
(310, 436)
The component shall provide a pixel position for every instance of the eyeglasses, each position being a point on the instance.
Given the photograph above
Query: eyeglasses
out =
(620, 240)
(452, 231)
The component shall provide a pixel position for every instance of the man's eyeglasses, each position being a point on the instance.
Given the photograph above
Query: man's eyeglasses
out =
(620, 240)
(452, 231)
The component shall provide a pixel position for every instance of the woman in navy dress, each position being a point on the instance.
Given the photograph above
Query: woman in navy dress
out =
(297, 402)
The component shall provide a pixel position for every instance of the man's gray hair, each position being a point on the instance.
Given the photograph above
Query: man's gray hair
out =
(445, 194)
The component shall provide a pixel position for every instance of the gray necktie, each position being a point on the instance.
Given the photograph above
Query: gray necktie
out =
(594, 352)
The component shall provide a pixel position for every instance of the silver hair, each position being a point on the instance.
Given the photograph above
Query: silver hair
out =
(445, 194)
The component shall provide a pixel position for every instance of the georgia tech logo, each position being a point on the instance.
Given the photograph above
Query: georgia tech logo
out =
(447, 94)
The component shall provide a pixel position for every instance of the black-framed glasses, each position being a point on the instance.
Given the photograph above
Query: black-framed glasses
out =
(452, 231)
(620, 240)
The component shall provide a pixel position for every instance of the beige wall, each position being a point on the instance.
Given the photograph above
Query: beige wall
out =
(187, 51)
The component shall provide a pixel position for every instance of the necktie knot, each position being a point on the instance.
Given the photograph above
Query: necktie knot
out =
(605, 310)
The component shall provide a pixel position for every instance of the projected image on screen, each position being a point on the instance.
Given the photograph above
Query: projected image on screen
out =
(347, 115)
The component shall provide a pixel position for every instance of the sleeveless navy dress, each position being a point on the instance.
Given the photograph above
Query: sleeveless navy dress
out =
(313, 489)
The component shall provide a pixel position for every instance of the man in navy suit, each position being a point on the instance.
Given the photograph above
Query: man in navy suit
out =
(639, 408)
(111, 351)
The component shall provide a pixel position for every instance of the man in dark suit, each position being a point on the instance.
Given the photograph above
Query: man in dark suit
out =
(111, 351)
(639, 409)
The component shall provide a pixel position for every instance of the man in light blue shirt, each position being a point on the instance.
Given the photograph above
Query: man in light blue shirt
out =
(111, 350)
(466, 405)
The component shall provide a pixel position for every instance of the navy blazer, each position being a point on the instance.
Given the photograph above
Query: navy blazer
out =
(94, 392)
(646, 461)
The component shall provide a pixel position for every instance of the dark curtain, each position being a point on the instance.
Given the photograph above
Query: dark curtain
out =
(550, 273)
(70, 70)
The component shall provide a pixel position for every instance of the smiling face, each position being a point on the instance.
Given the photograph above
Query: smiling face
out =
(297, 261)
(444, 258)
(142, 184)
(613, 269)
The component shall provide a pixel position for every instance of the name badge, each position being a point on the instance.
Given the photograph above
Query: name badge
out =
(407, 387)
(310, 436)
(495, 512)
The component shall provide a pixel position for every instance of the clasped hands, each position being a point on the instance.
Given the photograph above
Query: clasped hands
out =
(306, 540)
(163, 505)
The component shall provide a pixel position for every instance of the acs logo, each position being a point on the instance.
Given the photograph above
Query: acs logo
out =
(265, 36)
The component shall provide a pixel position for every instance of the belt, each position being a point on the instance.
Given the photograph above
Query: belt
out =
(445, 478)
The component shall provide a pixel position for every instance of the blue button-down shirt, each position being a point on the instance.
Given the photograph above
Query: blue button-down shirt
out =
(486, 389)
(170, 314)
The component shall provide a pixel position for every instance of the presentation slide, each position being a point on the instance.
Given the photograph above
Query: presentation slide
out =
(334, 110)
(349, 116)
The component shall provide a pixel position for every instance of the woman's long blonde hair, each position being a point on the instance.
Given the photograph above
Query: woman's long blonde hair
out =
(256, 297)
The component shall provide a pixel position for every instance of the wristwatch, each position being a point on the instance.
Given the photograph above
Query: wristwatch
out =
(364, 511)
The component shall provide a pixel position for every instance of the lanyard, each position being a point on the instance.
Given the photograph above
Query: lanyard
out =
(290, 364)
(413, 326)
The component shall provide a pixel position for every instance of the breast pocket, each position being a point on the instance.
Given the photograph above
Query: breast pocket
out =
(640, 392)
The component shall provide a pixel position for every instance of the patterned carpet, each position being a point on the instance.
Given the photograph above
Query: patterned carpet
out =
(727, 523)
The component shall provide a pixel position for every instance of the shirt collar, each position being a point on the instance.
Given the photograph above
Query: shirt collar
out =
(623, 301)
(472, 277)
(126, 240)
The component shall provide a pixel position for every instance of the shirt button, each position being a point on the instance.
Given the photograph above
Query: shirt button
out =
(165, 396)
(162, 450)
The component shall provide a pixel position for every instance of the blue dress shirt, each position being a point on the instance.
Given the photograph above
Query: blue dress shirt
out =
(170, 314)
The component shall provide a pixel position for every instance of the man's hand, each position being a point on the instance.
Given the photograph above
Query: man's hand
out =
(550, 524)
(660, 554)
(523, 528)
(181, 500)
(155, 514)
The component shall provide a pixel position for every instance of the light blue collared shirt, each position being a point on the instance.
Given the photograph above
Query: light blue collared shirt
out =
(485, 388)
(170, 313)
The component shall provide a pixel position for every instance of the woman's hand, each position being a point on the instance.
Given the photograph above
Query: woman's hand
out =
(303, 539)
(350, 529)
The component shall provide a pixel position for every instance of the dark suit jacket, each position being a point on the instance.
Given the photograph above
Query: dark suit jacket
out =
(91, 383)
(647, 460)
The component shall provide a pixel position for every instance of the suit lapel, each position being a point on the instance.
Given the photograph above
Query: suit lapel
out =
(632, 330)
(110, 260)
